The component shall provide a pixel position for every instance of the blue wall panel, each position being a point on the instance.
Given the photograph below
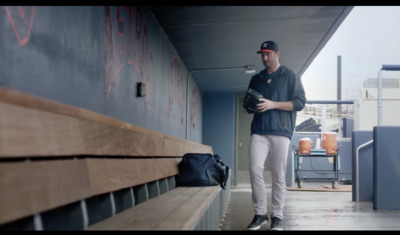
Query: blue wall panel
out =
(219, 126)
(386, 164)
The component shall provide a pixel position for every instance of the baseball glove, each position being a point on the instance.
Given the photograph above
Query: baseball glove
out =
(251, 100)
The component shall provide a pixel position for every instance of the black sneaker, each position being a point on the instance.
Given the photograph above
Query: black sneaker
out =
(257, 221)
(276, 224)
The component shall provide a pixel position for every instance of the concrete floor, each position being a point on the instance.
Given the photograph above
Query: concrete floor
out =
(310, 210)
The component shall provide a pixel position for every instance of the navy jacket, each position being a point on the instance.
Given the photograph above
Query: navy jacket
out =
(284, 86)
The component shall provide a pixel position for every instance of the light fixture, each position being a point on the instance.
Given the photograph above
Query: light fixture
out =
(249, 69)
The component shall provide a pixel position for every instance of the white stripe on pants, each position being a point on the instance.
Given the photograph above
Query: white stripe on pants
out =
(276, 148)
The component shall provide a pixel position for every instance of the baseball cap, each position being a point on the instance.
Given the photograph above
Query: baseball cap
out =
(268, 46)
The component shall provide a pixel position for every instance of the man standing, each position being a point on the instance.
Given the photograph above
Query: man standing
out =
(272, 128)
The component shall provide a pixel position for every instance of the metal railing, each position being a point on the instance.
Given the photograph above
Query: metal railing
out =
(357, 171)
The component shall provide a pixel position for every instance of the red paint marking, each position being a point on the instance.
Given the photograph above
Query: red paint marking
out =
(137, 38)
(22, 11)
(20, 25)
(176, 88)
(112, 65)
(148, 78)
(118, 46)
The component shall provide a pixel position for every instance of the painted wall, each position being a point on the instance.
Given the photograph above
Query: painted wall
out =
(93, 57)
(219, 125)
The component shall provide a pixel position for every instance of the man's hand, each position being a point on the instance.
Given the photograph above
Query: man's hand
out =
(265, 105)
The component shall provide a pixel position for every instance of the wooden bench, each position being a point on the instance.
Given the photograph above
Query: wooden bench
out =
(67, 168)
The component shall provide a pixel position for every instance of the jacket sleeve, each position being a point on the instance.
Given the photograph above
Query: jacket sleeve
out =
(298, 94)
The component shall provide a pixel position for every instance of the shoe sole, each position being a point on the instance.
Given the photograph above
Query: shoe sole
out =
(276, 229)
(258, 227)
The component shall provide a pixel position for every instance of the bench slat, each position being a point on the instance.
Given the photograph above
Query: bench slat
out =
(186, 215)
(33, 126)
(178, 209)
(31, 187)
(107, 175)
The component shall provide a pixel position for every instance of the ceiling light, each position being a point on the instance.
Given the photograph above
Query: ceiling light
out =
(250, 69)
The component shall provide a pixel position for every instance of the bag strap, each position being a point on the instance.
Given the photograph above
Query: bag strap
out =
(225, 176)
